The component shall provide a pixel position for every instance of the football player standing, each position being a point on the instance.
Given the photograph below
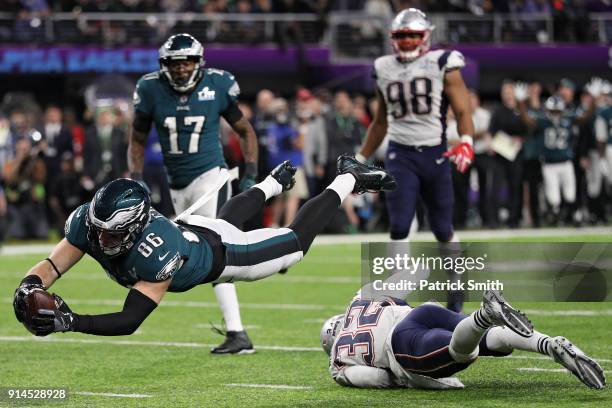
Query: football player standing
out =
(415, 86)
(185, 101)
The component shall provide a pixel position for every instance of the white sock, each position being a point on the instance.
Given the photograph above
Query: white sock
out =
(466, 336)
(270, 187)
(505, 340)
(343, 185)
(228, 302)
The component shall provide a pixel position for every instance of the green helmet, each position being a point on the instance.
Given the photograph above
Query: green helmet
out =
(181, 47)
(117, 215)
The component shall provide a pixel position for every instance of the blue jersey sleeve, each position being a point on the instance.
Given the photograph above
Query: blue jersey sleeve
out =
(76, 228)
(144, 101)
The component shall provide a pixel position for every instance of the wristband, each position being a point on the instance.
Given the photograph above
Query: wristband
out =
(59, 275)
(361, 158)
(467, 139)
(250, 169)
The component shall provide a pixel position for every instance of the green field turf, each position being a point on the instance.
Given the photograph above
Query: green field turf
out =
(168, 358)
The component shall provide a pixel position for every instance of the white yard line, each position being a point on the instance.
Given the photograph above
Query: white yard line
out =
(144, 343)
(274, 386)
(210, 326)
(18, 249)
(546, 370)
(538, 357)
(110, 394)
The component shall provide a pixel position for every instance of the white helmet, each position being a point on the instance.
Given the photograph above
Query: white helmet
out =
(410, 34)
(329, 331)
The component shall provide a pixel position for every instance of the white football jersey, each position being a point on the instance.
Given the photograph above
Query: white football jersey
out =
(362, 353)
(414, 96)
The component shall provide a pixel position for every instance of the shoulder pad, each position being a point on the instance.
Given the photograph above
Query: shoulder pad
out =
(76, 217)
(150, 76)
(450, 60)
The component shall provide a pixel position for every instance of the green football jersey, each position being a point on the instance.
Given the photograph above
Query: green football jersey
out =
(187, 124)
(163, 250)
(605, 115)
(556, 139)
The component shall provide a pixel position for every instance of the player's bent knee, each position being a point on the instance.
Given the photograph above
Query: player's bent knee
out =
(462, 357)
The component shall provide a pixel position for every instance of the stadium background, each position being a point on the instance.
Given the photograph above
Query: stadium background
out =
(76, 62)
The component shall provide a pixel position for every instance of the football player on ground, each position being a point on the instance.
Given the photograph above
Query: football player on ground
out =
(554, 129)
(386, 343)
(185, 101)
(150, 254)
(414, 89)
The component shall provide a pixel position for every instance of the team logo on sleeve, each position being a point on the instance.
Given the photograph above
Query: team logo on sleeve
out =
(170, 268)
(206, 94)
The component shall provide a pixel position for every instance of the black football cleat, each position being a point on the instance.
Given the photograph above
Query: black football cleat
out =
(284, 173)
(368, 178)
(236, 342)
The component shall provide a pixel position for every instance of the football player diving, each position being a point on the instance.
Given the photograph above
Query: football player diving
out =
(151, 255)
(185, 102)
(386, 343)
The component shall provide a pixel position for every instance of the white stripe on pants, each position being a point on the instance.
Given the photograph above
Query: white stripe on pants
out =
(559, 177)
(231, 235)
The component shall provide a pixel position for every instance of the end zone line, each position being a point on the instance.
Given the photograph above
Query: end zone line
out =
(110, 394)
(274, 386)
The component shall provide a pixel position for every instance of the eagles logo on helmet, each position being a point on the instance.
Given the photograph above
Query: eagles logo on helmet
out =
(117, 215)
(173, 55)
(410, 34)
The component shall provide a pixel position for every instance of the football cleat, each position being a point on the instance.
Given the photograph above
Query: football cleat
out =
(582, 366)
(284, 174)
(236, 342)
(367, 178)
(501, 313)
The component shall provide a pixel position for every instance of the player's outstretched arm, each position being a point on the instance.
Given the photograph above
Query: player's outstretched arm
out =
(141, 300)
(43, 274)
(63, 257)
(377, 130)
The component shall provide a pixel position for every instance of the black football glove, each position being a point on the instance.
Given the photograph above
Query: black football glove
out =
(250, 177)
(28, 284)
(52, 321)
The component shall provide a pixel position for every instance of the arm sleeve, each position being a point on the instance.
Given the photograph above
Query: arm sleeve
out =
(136, 308)
(142, 122)
(365, 377)
(232, 113)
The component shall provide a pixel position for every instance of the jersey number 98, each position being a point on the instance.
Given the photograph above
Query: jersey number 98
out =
(420, 97)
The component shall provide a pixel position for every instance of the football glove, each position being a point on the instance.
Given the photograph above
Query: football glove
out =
(462, 154)
(250, 177)
(28, 284)
(521, 91)
(595, 86)
(51, 321)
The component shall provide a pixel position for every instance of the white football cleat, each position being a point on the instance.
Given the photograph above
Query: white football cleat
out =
(582, 366)
(501, 313)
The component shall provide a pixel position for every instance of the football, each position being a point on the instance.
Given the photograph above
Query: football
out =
(37, 299)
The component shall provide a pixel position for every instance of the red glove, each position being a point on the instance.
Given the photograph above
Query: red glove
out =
(462, 154)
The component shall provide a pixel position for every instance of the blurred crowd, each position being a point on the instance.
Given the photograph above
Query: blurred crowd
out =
(529, 21)
(51, 161)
